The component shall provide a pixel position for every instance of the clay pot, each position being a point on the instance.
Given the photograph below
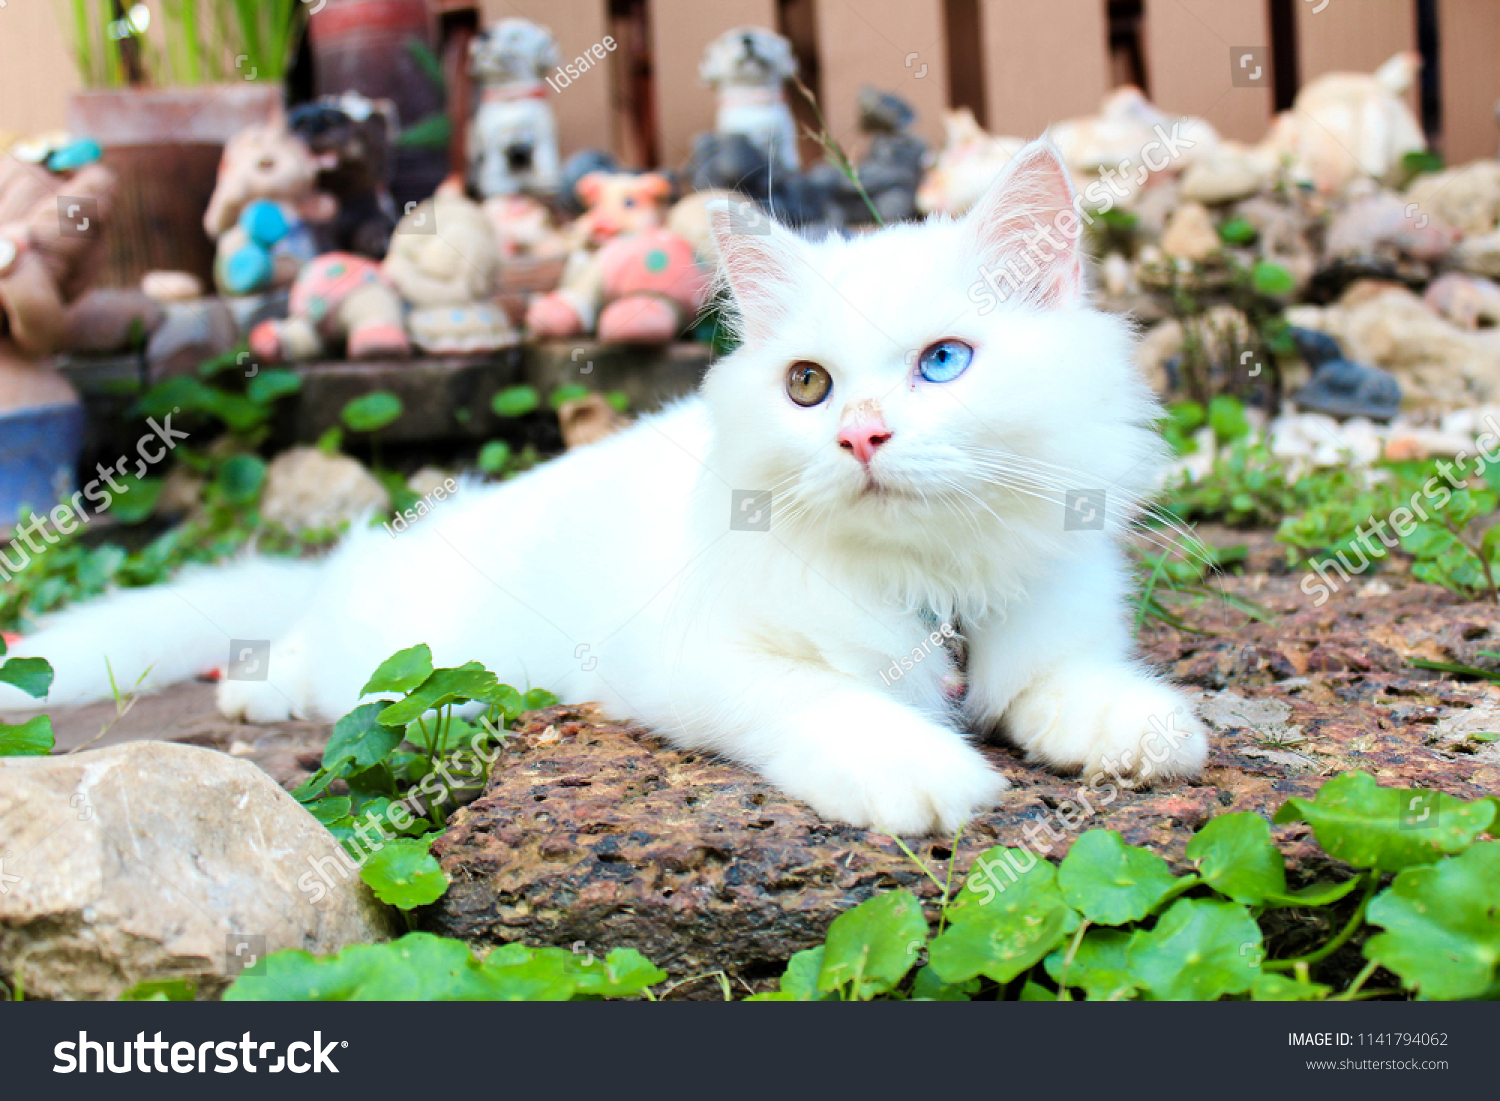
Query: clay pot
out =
(164, 146)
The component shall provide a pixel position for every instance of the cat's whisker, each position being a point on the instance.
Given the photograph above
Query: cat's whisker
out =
(1187, 544)
(1064, 477)
(1139, 510)
(966, 513)
(1186, 537)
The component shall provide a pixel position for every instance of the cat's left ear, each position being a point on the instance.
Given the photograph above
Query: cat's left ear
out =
(1026, 229)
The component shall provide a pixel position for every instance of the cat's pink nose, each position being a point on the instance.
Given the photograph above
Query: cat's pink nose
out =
(863, 437)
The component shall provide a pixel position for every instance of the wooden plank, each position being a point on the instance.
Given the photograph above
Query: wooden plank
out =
(37, 72)
(1355, 37)
(680, 29)
(583, 107)
(896, 45)
(1043, 62)
(1469, 46)
(1188, 51)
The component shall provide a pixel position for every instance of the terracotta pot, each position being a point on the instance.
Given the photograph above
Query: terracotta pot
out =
(164, 145)
(362, 46)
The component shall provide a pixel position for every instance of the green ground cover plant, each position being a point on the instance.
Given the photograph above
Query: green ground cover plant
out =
(407, 762)
(1323, 512)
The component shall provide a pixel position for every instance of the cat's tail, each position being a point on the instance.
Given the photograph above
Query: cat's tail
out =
(168, 633)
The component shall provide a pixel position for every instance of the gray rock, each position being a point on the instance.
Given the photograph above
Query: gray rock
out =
(1383, 223)
(192, 332)
(104, 321)
(148, 860)
(1479, 255)
(1467, 197)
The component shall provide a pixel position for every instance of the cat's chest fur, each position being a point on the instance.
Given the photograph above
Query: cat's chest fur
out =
(681, 580)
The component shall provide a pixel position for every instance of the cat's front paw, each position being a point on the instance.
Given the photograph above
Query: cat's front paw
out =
(908, 783)
(1112, 723)
(254, 701)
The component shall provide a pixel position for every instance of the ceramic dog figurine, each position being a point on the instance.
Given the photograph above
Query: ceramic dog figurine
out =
(513, 140)
(748, 67)
(639, 271)
(1338, 114)
(351, 137)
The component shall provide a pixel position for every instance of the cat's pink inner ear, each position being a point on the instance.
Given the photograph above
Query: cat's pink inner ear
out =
(758, 260)
(1027, 229)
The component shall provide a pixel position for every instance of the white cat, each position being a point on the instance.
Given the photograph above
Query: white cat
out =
(744, 571)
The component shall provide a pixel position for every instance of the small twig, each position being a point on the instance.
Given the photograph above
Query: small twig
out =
(1477, 552)
(719, 974)
(122, 707)
(915, 860)
(834, 150)
(1359, 981)
(948, 886)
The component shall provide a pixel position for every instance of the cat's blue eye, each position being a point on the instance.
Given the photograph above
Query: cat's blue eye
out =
(945, 360)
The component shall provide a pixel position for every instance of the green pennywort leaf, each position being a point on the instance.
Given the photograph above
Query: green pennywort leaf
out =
(1199, 951)
(1112, 883)
(31, 675)
(1008, 916)
(871, 947)
(33, 738)
(1442, 925)
(404, 874)
(1235, 857)
(1388, 829)
(401, 672)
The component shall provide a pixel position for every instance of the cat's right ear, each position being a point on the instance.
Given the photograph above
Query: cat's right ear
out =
(1027, 229)
(758, 260)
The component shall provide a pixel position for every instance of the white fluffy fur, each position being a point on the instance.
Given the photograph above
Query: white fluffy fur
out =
(613, 574)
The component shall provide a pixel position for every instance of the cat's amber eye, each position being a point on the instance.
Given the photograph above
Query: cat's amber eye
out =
(807, 383)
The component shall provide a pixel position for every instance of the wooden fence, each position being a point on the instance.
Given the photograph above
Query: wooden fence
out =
(1020, 64)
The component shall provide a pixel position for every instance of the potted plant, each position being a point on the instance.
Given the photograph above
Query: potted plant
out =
(167, 83)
